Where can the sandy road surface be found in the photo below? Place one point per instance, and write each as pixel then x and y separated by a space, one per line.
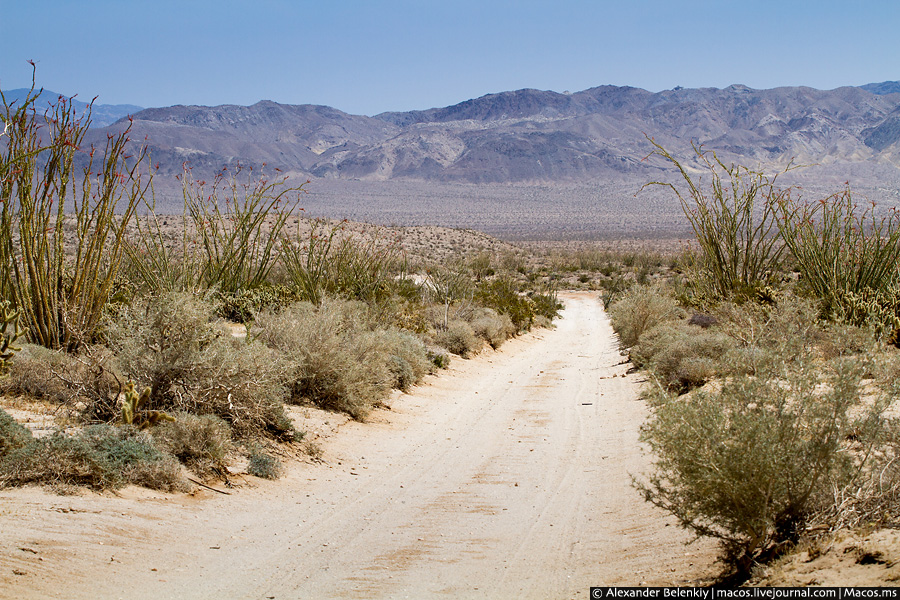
pixel 508 477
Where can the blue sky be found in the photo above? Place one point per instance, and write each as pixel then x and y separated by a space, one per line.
pixel 365 57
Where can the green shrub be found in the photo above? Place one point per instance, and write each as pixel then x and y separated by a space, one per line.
pixel 200 442
pixel 641 308
pixel 749 464
pixel 546 304
pixel 241 306
pixel 100 457
pixel 264 466
pixel 12 434
pixel 502 295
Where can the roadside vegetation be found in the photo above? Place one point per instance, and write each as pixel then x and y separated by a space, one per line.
pixel 166 351
pixel 771 350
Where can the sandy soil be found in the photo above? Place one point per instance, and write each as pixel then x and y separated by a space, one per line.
pixel 508 476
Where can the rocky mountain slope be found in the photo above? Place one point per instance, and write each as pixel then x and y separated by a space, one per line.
pixel 535 136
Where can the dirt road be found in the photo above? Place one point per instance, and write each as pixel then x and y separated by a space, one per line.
pixel 508 477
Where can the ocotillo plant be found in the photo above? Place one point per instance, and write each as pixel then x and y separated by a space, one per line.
pixel 45 196
pixel 847 256
pixel 733 215
pixel 238 241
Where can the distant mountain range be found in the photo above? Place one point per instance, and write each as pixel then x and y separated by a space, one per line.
pixel 533 136
pixel 538 138
pixel 101 114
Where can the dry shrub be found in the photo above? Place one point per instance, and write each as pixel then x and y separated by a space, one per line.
pixel 492 327
pixel 542 322
pixel 31 374
pixel 841 339
pixel 407 359
pixel 458 338
pixel 200 442
pixel 335 360
pixel 681 356
pixel 195 365
pixel 641 308
pixel 790 326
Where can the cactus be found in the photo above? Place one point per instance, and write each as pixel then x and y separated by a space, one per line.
pixel 131 407
pixel 8 317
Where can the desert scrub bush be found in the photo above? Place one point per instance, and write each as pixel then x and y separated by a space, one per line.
pixel 735 221
pixel 334 361
pixel 682 356
pixel 202 443
pixel 44 196
pixel 99 457
pixel 407 358
pixel 546 304
pixel 32 374
pixel 492 327
pixel 502 294
pixel 641 308
pixel 791 325
pixel 263 465
pixel 749 463
pixel 843 254
pixel 437 356
pixel 458 338
pixel 13 435
pixel 242 305
pixel 172 344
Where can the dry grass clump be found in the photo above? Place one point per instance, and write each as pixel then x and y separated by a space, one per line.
pixel 202 443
